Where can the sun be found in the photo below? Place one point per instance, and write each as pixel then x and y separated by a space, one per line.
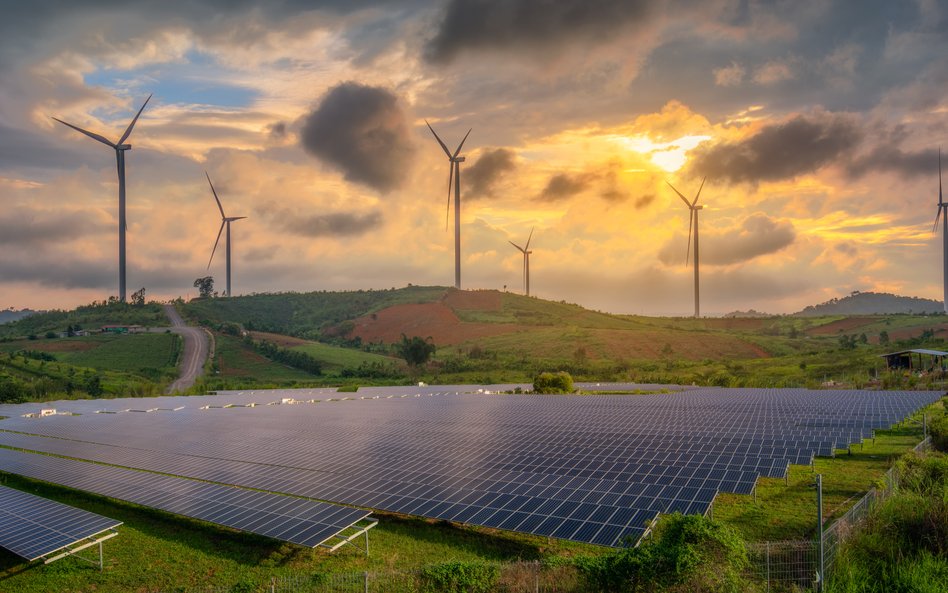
pixel 668 156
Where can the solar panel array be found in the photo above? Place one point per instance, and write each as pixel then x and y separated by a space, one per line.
pixel 593 468
pixel 33 527
pixel 304 522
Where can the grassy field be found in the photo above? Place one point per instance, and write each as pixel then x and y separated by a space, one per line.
pixel 89 317
pixel 335 358
pixel 234 360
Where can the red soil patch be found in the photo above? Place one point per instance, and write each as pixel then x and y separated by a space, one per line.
pixel 473 300
pixel 841 326
pixel 436 320
pixel 941 331
pixel 279 339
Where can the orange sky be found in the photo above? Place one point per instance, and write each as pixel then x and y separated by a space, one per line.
pixel 817 130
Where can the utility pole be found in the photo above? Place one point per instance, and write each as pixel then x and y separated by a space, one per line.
pixel 821 576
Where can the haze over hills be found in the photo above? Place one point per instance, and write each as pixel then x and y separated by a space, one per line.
pixel 871 303
pixel 8 315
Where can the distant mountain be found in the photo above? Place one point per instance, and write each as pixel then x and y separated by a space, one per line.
pixel 8 315
pixel 869 303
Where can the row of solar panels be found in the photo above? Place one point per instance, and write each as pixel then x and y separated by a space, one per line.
pixel 460 457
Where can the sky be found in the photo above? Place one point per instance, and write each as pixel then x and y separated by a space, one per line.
pixel 814 123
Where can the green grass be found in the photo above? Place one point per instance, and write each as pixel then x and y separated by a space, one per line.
pixel 335 358
pixel 127 352
pixel 235 360
pixel 89 317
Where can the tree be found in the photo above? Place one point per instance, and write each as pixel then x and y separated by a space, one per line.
pixel 416 350
pixel 560 382
pixel 205 286
pixel 884 337
pixel 138 297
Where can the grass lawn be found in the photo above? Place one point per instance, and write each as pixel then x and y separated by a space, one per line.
pixel 335 358
pixel 236 360
pixel 113 352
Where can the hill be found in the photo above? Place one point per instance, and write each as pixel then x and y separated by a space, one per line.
pixel 89 317
pixel 872 303
pixel 8 315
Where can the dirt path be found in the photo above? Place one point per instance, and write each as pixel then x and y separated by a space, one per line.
pixel 195 351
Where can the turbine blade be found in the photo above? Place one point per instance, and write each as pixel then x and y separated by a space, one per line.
pixel 438 138
pixel 223 222
pixel 218 200
pixel 517 246
pixel 683 198
pixel 937 216
pixel 691 221
pixel 528 239
pixel 128 130
pixel 939 175
pixel 233 218
pixel 698 195
pixel 456 152
pixel 92 135
pixel 447 210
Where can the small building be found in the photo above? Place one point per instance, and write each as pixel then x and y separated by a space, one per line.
pixel 916 360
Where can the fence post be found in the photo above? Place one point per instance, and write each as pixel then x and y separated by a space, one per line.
pixel 366 577
pixel 819 528
pixel 768 566
pixel 273 584
pixel 536 576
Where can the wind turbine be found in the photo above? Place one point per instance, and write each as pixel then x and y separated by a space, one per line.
pixel 455 175
pixel 225 221
pixel 120 147
pixel 692 225
pixel 942 205
pixel 526 262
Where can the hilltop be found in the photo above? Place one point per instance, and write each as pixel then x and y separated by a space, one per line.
pixel 9 315
pixel 873 303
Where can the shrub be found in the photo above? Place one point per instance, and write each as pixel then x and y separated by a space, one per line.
pixel 459 577
pixel 560 382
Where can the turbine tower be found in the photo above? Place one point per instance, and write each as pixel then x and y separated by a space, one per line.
pixel 693 225
pixel 455 175
pixel 526 262
pixel 120 147
pixel 225 221
pixel 942 205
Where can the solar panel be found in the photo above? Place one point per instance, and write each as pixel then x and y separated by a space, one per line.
pixel 304 522
pixel 33 527
pixel 506 461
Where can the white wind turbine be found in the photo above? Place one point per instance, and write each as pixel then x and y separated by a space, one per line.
pixel 693 225
pixel 120 147
pixel 225 221
pixel 526 262
pixel 943 206
pixel 455 175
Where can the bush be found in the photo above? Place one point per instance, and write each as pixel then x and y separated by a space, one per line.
pixel 560 382
pixel 686 553
pixel 459 577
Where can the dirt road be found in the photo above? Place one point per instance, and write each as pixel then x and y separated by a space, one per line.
pixel 194 354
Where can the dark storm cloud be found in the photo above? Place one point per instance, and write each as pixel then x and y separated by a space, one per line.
pixel 489 168
pixel 58 273
pixel 363 132
pixel 35 229
pixel 336 224
pixel 756 235
pixel 530 24
pixel 895 160
pixel 566 185
pixel 277 130
pixel 799 146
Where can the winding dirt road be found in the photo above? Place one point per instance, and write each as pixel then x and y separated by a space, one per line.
pixel 195 351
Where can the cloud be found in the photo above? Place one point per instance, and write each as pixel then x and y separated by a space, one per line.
pixel 774 72
pixel 732 75
pixel 566 185
pixel 530 24
pixel 335 224
pixel 487 171
pixel 803 144
pixel 756 235
pixel 25 228
pixel 643 201
pixel 362 131
pixel 895 160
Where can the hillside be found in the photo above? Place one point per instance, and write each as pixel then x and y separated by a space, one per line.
pixel 872 303
pixel 89 317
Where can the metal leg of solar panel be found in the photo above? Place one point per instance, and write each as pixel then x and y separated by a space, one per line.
pixel 72 551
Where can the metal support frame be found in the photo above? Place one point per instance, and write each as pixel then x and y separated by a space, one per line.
pixel 94 540
pixel 361 527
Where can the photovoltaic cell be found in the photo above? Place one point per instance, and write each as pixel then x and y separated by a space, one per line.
pixel 33 527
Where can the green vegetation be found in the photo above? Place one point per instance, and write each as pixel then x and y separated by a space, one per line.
pixel 334 358
pixel 560 382
pixel 416 351
pixel 87 317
